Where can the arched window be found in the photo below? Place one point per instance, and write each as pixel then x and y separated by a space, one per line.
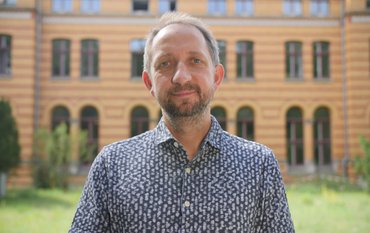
pixel 322 136
pixel 294 128
pixel 220 115
pixel 245 123
pixel 139 121
pixel 89 122
pixel 60 114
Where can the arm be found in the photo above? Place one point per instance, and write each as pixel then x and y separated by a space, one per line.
pixel 275 214
pixel 92 213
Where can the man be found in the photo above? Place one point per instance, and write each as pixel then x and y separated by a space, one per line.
pixel 186 175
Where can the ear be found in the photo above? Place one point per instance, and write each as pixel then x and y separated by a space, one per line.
pixel 147 81
pixel 219 74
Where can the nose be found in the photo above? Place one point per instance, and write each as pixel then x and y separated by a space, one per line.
pixel 182 74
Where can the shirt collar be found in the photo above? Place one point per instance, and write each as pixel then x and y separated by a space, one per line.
pixel 213 137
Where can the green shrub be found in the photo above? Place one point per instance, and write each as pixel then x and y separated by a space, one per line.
pixel 362 163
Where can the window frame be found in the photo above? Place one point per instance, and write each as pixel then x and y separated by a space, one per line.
pixel 292 7
pixel 319 8
pixel 293 60
pixel 322 137
pixel 244 7
pixel 139 10
pixel 245 124
pixel 141 123
pixel 90 6
pixel 320 55
pixel 62 6
pixel 65 64
pixel 222 117
pixel 91 56
pixel 217 7
pixel 137 47
pixel 245 60
pixel 166 6
pixel 295 137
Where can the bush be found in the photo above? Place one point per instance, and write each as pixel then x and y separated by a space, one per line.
pixel 362 163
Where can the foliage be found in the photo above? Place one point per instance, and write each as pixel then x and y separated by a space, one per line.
pixel 9 145
pixel 87 151
pixel 362 163
pixel 52 157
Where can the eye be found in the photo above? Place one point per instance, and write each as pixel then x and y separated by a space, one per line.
pixel 196 60
pixel 163 64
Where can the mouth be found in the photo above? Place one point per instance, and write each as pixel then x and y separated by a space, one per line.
pixel 183 93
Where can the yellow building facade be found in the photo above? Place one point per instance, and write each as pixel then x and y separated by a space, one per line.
pixel 297 73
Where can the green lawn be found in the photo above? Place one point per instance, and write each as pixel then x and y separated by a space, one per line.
pixel 315 206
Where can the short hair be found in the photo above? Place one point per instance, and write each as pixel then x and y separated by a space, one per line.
pixel 181 18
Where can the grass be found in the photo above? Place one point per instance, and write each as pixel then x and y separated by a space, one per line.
pixel 316 206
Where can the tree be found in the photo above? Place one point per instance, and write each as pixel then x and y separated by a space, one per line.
pixel 9 145
pixel 362 163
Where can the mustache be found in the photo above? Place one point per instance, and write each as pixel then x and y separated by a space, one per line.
pixel 185 87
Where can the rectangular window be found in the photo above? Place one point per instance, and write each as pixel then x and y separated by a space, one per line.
pixel 292 7
pixel 137 52
pixel 61 58
pixel 245 66
pixel 90 6
pixel 62 6
pixel 217 7
pixel 321 62
pixel 293 60
pixel 320 7
pixel 8 2
pixel 244 7
pixel 368 4
pixel 167 5
pixel 140 5
pixel 89 58
pixel 5 54
pixel 222 53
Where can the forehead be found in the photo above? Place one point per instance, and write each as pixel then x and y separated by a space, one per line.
pixel 179 35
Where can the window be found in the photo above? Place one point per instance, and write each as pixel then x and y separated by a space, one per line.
pixel 322 137
pixel 293 60
pixel 89 58
pixel 220 115
pixel 89 123
pixel 244 7
pixel 294 127
pixel 319 7
pixel 222 53
pixel 292 7
pixel 61 58
pixel 62 6
pixel 244 59
pixel 137 53
pixel 140 5
pixel 5 54
pixel 60 114
pixel 321 63
pixel 368 4
pixel 245 123
pixel 8 2
pixel 139 121
pixel 167 5
pixel 217 7
pixel 90 6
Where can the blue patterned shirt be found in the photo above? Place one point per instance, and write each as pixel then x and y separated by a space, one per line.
pixel 147 184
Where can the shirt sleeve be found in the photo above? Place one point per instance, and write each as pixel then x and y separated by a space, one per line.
pixel 92 213
pixel 275 214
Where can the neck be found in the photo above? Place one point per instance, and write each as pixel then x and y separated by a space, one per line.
pixel 189 131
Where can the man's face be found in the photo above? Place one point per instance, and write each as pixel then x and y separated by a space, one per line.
pixel 183 78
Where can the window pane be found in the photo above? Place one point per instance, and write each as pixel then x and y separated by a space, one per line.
pixel 89 58
pixel 245 124
pixel 140 5
pixel 222 53
pixel 61 58
pixel 293 60
pixel 295 136
pixel 216 6
pixel 62 6
pixel 244 7
pixel 167 5
pixel 90 124
pixel 60 115
pixel 5 54
pixel 220 115
pixel 139 121
pixel 137 52
pixel 90 6
pixel 245 59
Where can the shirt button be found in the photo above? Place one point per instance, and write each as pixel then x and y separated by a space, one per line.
pixel 176 144
pixel 188 170
pixel 186 204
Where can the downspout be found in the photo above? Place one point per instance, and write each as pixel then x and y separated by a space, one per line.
pixel 345 160
pixel 38 22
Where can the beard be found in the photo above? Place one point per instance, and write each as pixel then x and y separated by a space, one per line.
pixel 189 108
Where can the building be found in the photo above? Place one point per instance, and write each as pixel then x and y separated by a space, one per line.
pixel 297 73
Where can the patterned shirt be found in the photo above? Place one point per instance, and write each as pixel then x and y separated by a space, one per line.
pixel 147 184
